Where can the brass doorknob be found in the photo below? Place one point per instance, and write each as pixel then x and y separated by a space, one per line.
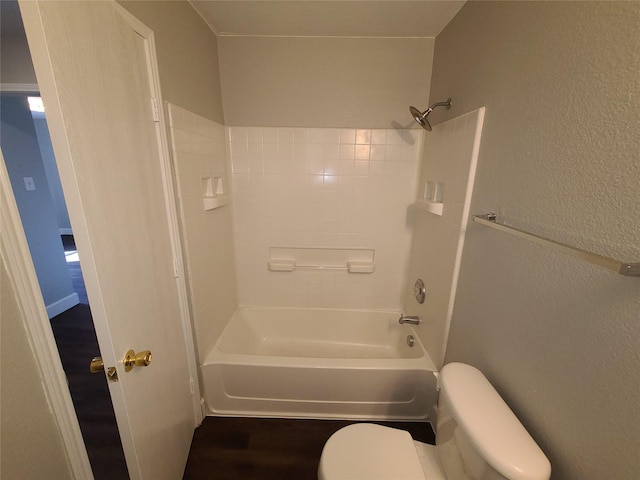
pixel 132 359
pixel 96 365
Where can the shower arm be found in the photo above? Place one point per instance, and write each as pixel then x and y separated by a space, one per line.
pixel 441 104
pixel 426 113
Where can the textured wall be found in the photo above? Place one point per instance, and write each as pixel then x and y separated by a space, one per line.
pixel 559 156
pixel 15 61
pixel 323 82
pixel 22 157
pixel 53 177
pixel 187 55
pixel 31 443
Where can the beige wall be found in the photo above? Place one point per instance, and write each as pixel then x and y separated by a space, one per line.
pixel 187 55
pixel 31 443
pixel 559 338
pixel 15 61
pixel 323 82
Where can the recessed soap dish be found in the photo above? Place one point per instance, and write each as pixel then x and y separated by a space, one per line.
pixel 433 200
pixel 213 193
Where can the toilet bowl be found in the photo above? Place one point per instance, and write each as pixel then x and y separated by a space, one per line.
pixel 477 438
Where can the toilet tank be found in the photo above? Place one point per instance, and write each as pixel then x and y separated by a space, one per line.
pixel 478 437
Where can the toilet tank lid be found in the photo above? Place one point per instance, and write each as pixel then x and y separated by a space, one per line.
pixel 493 429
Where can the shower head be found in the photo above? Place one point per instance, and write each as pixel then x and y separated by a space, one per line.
pixel 421 117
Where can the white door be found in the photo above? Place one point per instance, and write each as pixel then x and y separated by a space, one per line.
pixel 95 72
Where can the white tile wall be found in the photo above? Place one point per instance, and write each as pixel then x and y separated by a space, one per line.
pixel 199 150
pixel 450 158
pixel 322 187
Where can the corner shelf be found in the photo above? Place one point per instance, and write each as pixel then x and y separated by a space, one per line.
pixel 215 202
pixel 430 206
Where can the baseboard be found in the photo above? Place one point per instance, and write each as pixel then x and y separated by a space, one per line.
pixel 65 231
pixel 62 305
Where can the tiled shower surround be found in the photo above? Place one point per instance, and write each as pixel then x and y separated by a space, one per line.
pixel 329 188
pixel 198 152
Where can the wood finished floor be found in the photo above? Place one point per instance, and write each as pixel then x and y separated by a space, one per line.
pixel 77 344
pixel 268 449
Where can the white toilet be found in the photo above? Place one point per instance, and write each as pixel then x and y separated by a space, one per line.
pixel 477 438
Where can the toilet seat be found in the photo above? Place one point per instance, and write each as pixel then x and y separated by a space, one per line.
pixel 365 451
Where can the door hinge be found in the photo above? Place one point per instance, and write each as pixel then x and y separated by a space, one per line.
pixel 155 110
pixel 176 270
pixel 192 386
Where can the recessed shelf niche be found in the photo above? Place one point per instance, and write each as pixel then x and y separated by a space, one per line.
pixel 213 193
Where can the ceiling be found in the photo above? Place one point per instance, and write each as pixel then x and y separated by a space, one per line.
pixel 328 18
pixel 306 18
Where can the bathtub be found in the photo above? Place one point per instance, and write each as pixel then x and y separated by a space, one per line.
pixel 319 363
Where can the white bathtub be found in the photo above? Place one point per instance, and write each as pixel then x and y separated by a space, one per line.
pixel 319 363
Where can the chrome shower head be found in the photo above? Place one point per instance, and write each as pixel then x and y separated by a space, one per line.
pixel 421 117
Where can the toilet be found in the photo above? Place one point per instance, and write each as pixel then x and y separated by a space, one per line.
pixel 477 438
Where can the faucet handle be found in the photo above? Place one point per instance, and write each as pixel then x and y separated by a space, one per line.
pixel 410 319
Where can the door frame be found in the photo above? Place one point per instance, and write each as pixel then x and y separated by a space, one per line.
pixel 22 274
pixel 20 266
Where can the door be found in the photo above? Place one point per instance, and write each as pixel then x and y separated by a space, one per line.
pixel 95 72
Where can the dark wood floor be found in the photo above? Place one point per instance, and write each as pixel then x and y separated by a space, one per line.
pixel 77 344
pixel 269 449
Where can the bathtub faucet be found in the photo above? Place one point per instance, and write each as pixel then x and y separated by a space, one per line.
pixel 410 319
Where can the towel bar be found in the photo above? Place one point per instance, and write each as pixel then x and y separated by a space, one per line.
pixel 626 269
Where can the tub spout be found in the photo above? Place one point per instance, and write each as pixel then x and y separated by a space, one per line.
pixel 410 319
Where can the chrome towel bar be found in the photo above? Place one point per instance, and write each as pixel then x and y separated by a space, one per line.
pixel 627 269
